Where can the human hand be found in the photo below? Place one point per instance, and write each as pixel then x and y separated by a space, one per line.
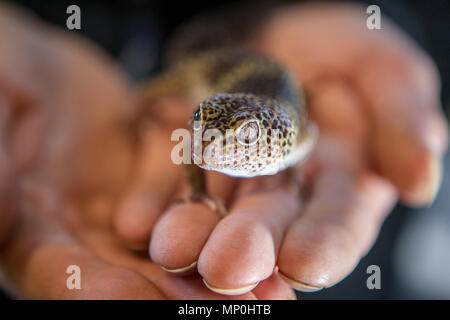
pixel 68 149
pixel 375 97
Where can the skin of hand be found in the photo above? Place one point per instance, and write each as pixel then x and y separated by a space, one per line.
pixel 375 97
pixel 315 243
pixel 66 153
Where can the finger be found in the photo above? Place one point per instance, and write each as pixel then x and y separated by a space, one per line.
pixel 21 95
pixel 106 246
pixel 154 183
pixel 36 259
pixel 182 288
pixel 338 227
pixel 410 132
pixel 183 230
pixel 347 120
pixel 99 280
pixel 242 249
pixel 180 235
pixel 18 88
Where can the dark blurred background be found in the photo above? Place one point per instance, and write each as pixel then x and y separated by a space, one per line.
pixel 412 250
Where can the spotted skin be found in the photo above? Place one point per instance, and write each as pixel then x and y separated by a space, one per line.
pixel 273 134
pixel 241 91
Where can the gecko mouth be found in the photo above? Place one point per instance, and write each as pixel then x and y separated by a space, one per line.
pixel 211 156
pixel 197 159
pixel 206 156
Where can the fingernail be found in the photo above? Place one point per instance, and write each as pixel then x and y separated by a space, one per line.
pixel 434 180
pixel 297 285
pixel 230 292
pixel 180 270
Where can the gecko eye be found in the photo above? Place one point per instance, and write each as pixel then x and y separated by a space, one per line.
pixel 248 133
pixel 197 115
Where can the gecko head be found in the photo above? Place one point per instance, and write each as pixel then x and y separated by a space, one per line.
pixel 233 134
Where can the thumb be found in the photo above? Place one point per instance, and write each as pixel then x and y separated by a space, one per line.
pixel 410 132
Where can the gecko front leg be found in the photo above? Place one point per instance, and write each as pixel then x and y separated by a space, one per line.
pixel 196 178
